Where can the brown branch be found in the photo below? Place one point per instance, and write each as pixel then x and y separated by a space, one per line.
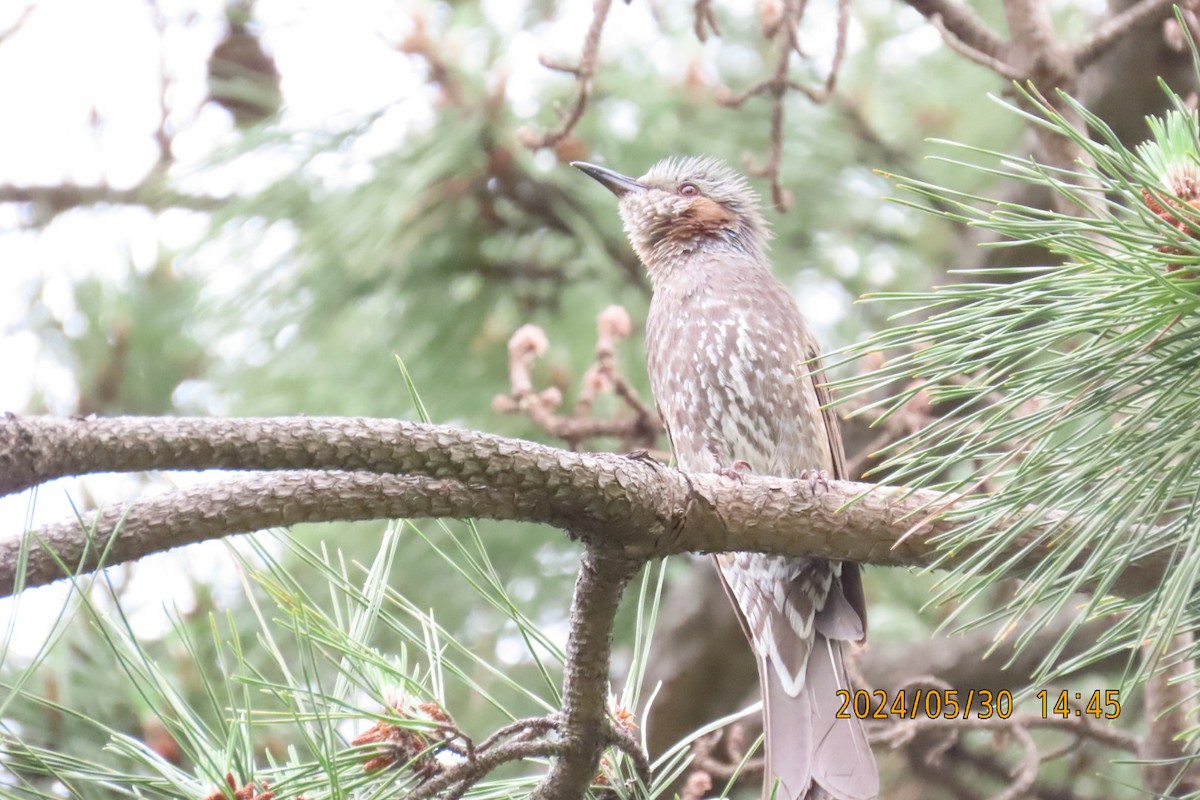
pixel 697 786
pixel 640 429
pixel 964 24
pixel 521 728
pixel 622 738
pixel 1146 12
pixel 67 196
pixel 1169 769
pixel 248 503
pixel 420 44
pixel 1036 50
pixel 987 762
pixel 783 30
pixel 630 504
pixel 587 728
pixel 899 733
pixel 776 86
pixel 162 137
pixel 997 65
pixel 461 777
pixel 722 754
pixel 1048 64
pixel 702 11
pixel 583 72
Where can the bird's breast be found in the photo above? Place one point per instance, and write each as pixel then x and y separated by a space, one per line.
pixel 728 373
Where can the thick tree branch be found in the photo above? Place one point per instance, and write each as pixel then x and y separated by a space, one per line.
pixel 628 504
pixel 586 725
pixel 248 503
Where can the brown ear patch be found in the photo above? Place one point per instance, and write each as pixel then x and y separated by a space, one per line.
pixel 705 215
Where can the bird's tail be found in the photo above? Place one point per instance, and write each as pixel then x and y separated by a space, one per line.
pixel 811 752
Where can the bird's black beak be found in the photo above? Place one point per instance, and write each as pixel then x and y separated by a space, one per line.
pixel 615 182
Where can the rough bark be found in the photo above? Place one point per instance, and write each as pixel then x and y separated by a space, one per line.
pixel 629 505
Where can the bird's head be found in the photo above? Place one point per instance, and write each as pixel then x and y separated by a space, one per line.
pixel 684 206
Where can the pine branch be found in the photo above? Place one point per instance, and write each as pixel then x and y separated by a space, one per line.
pixel 629 505
pixel 587 727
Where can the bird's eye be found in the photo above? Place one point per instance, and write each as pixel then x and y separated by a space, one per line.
pixel 689 189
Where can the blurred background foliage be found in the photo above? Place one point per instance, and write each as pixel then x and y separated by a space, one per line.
pixel 270 263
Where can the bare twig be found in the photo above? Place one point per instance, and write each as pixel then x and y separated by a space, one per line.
pixel 419 43
pixel 162 135
pixel 639 429
pixel 583 72
pixel 1169 768
pixel 697 786
pixel 1146 12
pixel 1037 52
pixel 521 728
pixel 1027 774
pixel 705 21
pixel 997 65
pixel 784 31
pixel 964 24
pixel 624 740
pixel 18 23
pixel 461 777
pixel 898 733
pixel 722 754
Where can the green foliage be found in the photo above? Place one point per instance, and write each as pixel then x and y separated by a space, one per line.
pixel 130 343
pixel 439 247
pixel 300 696
pixel 1068 391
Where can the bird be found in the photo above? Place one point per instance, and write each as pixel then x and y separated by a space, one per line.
pixel 735 373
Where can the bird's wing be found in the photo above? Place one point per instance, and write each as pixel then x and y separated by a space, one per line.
pixel 666 429
pixel 851 578
pixel 833 427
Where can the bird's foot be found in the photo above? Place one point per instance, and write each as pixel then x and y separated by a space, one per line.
pixel 737 471
pixel 815 478
pixel 643 455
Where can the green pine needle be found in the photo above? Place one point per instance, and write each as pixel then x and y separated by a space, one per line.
pixel 1069 389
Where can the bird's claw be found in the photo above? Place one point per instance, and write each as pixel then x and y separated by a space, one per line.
pixel 815 477
pixel 736 471
pixel 644 455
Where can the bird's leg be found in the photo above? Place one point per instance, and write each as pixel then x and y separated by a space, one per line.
pixel 815 477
